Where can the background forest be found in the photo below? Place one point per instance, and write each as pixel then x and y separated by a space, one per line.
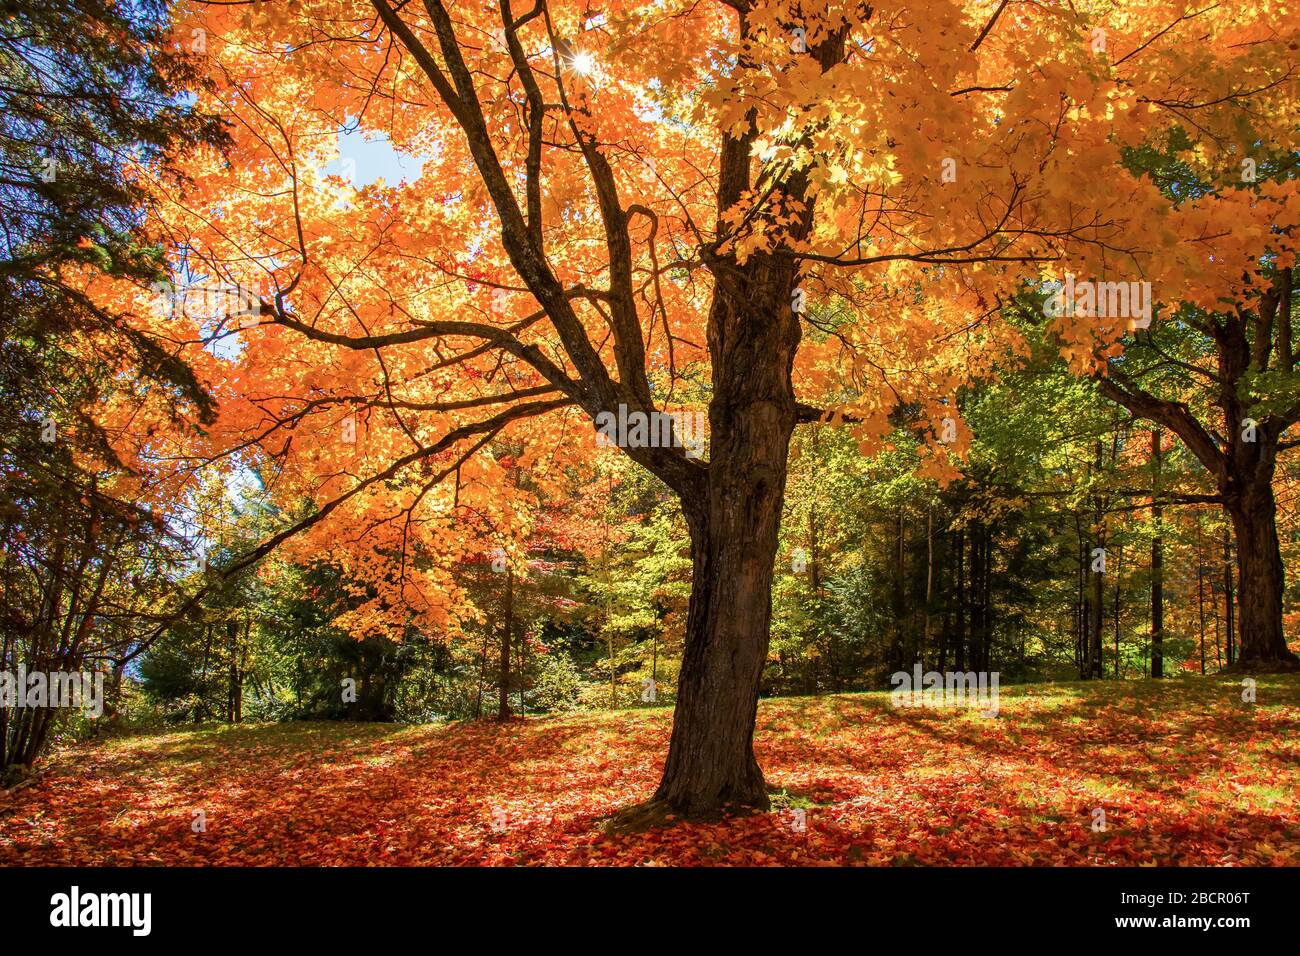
pixel 879 568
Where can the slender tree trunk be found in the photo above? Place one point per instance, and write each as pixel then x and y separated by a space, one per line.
pixel 1119 566
pixel 961 600
pixel 1095 621
pixel 232 681
pixel 507 623
pixel 609 609
pixel 613 672
pixel 1218 633
pixel 201 708
pixel 814 554
pixel 1082 608
pixel 898 602
pixel 945 632
pixel 1200 591
pixel 835 662
pixel 1095 668
pixel 1157 564
pixel 1229 598
pixel 988 598
pixel 482 673
pixel 985 595
pixel 929 577
pixel 241 671
pixel 523 671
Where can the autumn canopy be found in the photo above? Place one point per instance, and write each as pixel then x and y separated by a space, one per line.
pixel 774 213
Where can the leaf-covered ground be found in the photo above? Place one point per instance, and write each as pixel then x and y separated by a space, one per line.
pixel 1185 771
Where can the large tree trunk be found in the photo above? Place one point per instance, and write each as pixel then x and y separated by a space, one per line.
pixel 711 765
pixel 734 515
pixel 1261 642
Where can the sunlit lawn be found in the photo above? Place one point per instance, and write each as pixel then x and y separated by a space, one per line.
pixel 1185 772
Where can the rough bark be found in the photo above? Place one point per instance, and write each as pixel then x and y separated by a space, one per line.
pixel 734 512
pixel 1261 642
pixel 711 765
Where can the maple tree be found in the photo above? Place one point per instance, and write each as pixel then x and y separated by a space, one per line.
pixel 1221 383
pixel 794 211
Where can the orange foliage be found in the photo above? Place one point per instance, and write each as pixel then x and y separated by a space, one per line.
pixel 957 151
